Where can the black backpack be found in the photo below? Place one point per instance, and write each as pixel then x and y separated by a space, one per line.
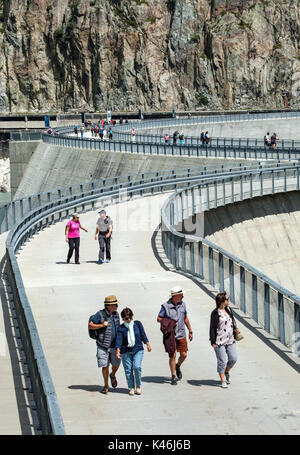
pixel 94 333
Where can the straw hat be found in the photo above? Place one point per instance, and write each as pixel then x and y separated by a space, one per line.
pixel 111 300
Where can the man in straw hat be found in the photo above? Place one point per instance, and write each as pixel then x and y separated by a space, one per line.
pixel 107 322
pixel 175 309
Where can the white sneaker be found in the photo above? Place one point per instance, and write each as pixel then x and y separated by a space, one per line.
pixel 131 392
pixel 224 385
pixel 228 380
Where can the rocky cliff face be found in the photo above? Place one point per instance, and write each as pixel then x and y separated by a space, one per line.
pixel 152 54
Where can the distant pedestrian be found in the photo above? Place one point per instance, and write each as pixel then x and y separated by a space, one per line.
pixel 103 233
pixel 189 115
pixel 101 133
pixel 207 138
pixel 107 323
pixel 73 237
pixel 222 335
pixel 267 139
pixel 202 138
pixel 175 135
pixel 173 319
pixel 167 139
pixel 76 130
pixel 274 140
pixel 110 134
pixel 133 134
pixel 126 120
pixel 121 120
pixel 82 131
pixel 129 346
pixel 181 138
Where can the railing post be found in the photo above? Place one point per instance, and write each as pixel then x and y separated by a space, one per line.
pixel 254 298
pixel 221 272
pixel 267 307
pixel 211 266
pixel 200 262
pixel 281 318
pixel 192 258
pixel 243 296
pixel 207 197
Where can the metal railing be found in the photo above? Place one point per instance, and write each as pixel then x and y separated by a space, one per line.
pixel 45 214
pixel 273 307
pixel 209 119
pixel 207 151
pixel 14 211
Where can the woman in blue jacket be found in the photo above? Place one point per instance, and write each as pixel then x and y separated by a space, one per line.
pixel 129 346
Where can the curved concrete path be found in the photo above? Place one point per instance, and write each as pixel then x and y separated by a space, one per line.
pixel 264 397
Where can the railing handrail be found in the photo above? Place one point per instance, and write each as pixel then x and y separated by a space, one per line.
pixel 261 275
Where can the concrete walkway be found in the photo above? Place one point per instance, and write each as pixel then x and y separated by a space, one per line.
pixel 264 397
pixel 17 415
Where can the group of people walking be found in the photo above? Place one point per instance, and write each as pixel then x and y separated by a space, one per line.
pixel 103 234
pixel 271 141
pixel 123 342
pixel 204 138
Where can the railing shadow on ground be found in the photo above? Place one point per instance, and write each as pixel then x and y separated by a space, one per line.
pixel 27 417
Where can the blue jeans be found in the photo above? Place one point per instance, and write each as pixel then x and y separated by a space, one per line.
pixel 132 363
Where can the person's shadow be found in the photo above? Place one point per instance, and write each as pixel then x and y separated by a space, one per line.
pixel 200 382
pixel 156 379
pixel 97 388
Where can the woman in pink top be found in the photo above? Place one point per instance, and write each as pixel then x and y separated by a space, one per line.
pixel 73 237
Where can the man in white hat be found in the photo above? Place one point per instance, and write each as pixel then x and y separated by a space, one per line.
pixel 175 309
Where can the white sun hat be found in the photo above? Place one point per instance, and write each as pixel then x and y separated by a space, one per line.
pixel 176 290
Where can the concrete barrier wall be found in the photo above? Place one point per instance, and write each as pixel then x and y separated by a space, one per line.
pixel 264 232
pixel 285 128
pixel 51 166
pixel 20 154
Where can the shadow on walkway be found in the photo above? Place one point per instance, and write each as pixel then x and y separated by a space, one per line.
pixel 22 398
pixel 156 379
pixel 97 388
pixel 200 382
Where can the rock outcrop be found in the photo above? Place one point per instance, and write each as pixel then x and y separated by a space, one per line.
pixel 62 55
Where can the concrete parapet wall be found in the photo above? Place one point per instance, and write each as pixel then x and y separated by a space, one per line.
pixel 264 232
pixel 51 166
pixel 20 154
pixel 285 128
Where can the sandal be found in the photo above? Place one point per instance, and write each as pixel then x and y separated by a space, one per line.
pixel 105 390
pixel 114 381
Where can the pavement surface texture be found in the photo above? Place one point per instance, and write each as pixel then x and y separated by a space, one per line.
pixel 263 398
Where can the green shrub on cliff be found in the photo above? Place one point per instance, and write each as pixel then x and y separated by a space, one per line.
pixel 195 38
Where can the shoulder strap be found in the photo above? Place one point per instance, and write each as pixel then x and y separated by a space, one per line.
pixel 104 315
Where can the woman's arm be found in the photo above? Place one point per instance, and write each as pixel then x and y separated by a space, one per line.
pixel 213 330
pixel 67 233
pixel 81 227
pixel 119 343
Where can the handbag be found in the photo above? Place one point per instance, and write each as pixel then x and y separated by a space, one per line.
pixel 239 336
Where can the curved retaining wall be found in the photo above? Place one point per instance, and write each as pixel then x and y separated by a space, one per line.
pixel 51 166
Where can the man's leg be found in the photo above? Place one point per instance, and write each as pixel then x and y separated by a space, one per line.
pixel 105 376
pixel 172 363
pixel 115 363
pixel 101 247
pixel 107 245
pixel 182 357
